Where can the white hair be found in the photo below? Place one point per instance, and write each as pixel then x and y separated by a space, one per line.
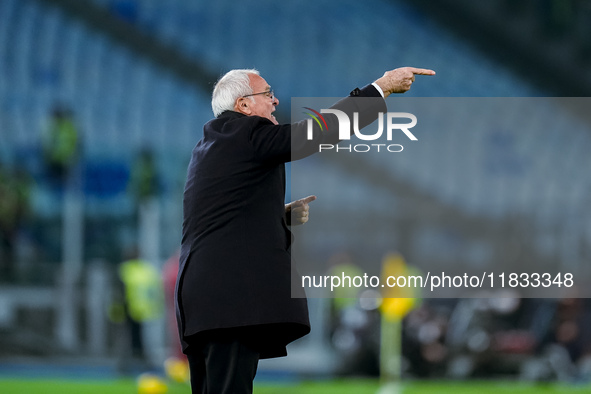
pixel 233 85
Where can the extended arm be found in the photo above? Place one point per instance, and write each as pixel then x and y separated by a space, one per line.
pixel 291 142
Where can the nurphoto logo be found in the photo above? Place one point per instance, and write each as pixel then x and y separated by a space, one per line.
pixel 345 127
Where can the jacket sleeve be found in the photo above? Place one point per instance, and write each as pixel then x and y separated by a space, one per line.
pixel 284 143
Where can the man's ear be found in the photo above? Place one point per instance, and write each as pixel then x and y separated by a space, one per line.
pixel 243 106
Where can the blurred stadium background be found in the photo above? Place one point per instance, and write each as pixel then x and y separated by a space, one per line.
pixel 131 81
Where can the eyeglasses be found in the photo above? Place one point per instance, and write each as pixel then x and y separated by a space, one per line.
pixel 269 94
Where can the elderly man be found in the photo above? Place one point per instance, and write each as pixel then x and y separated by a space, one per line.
pixel 234 303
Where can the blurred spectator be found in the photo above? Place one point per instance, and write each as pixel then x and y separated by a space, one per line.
pixel 143 183
pixel 570 331
pixel 498 335
pixel 14 204
pixel 61 143
pixel 354 328
pixel 140 299
pixel 344 296
pixel 423 340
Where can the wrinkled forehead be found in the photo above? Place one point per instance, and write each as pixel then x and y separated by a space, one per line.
pixel 258 83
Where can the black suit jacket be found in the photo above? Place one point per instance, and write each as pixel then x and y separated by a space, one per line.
pixel 235 265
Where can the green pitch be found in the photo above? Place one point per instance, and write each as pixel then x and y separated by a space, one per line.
pixel 348 386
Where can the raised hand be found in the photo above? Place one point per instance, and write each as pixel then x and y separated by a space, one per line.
pixel 399 80
pixel 298 211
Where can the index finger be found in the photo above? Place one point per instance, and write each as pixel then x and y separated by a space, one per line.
pixel 421 71
pixel 308 199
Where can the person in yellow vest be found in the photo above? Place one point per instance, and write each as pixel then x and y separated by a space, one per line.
pixel 397 302
pixel 141 300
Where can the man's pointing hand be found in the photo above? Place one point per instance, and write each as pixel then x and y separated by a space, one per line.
pixel 297 211
pixel 399 80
